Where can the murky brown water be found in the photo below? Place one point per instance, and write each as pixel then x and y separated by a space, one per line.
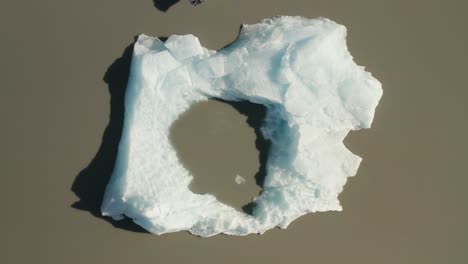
pixel 407 203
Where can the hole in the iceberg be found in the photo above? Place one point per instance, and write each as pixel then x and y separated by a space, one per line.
pixel 221 145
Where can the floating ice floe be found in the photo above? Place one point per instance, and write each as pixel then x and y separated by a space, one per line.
pixel 299 69
pixel 239 179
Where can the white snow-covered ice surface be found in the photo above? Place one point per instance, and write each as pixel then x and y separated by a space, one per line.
pixel 299 69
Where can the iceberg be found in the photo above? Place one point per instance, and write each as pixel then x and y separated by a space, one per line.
pixel 239 179
pixel 299 69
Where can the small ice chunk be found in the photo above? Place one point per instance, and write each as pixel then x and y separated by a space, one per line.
pixel 299 69
pixel 239 179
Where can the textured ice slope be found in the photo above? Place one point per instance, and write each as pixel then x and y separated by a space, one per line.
pixel 300 69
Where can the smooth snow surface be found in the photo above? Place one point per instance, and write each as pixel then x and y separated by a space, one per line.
pixel 299 68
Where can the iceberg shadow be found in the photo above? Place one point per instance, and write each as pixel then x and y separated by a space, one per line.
pixel 164 5
pixel 90 184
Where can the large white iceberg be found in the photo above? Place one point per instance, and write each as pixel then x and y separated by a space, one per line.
pixel 298 68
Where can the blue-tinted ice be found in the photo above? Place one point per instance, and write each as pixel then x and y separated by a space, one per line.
pixel 299 68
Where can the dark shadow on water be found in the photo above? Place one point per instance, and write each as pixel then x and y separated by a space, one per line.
pixel 255 114
pixel 91 182
pixel 164 5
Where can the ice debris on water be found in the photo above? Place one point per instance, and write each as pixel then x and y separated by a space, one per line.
pixel 239 179
pixel 299 69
